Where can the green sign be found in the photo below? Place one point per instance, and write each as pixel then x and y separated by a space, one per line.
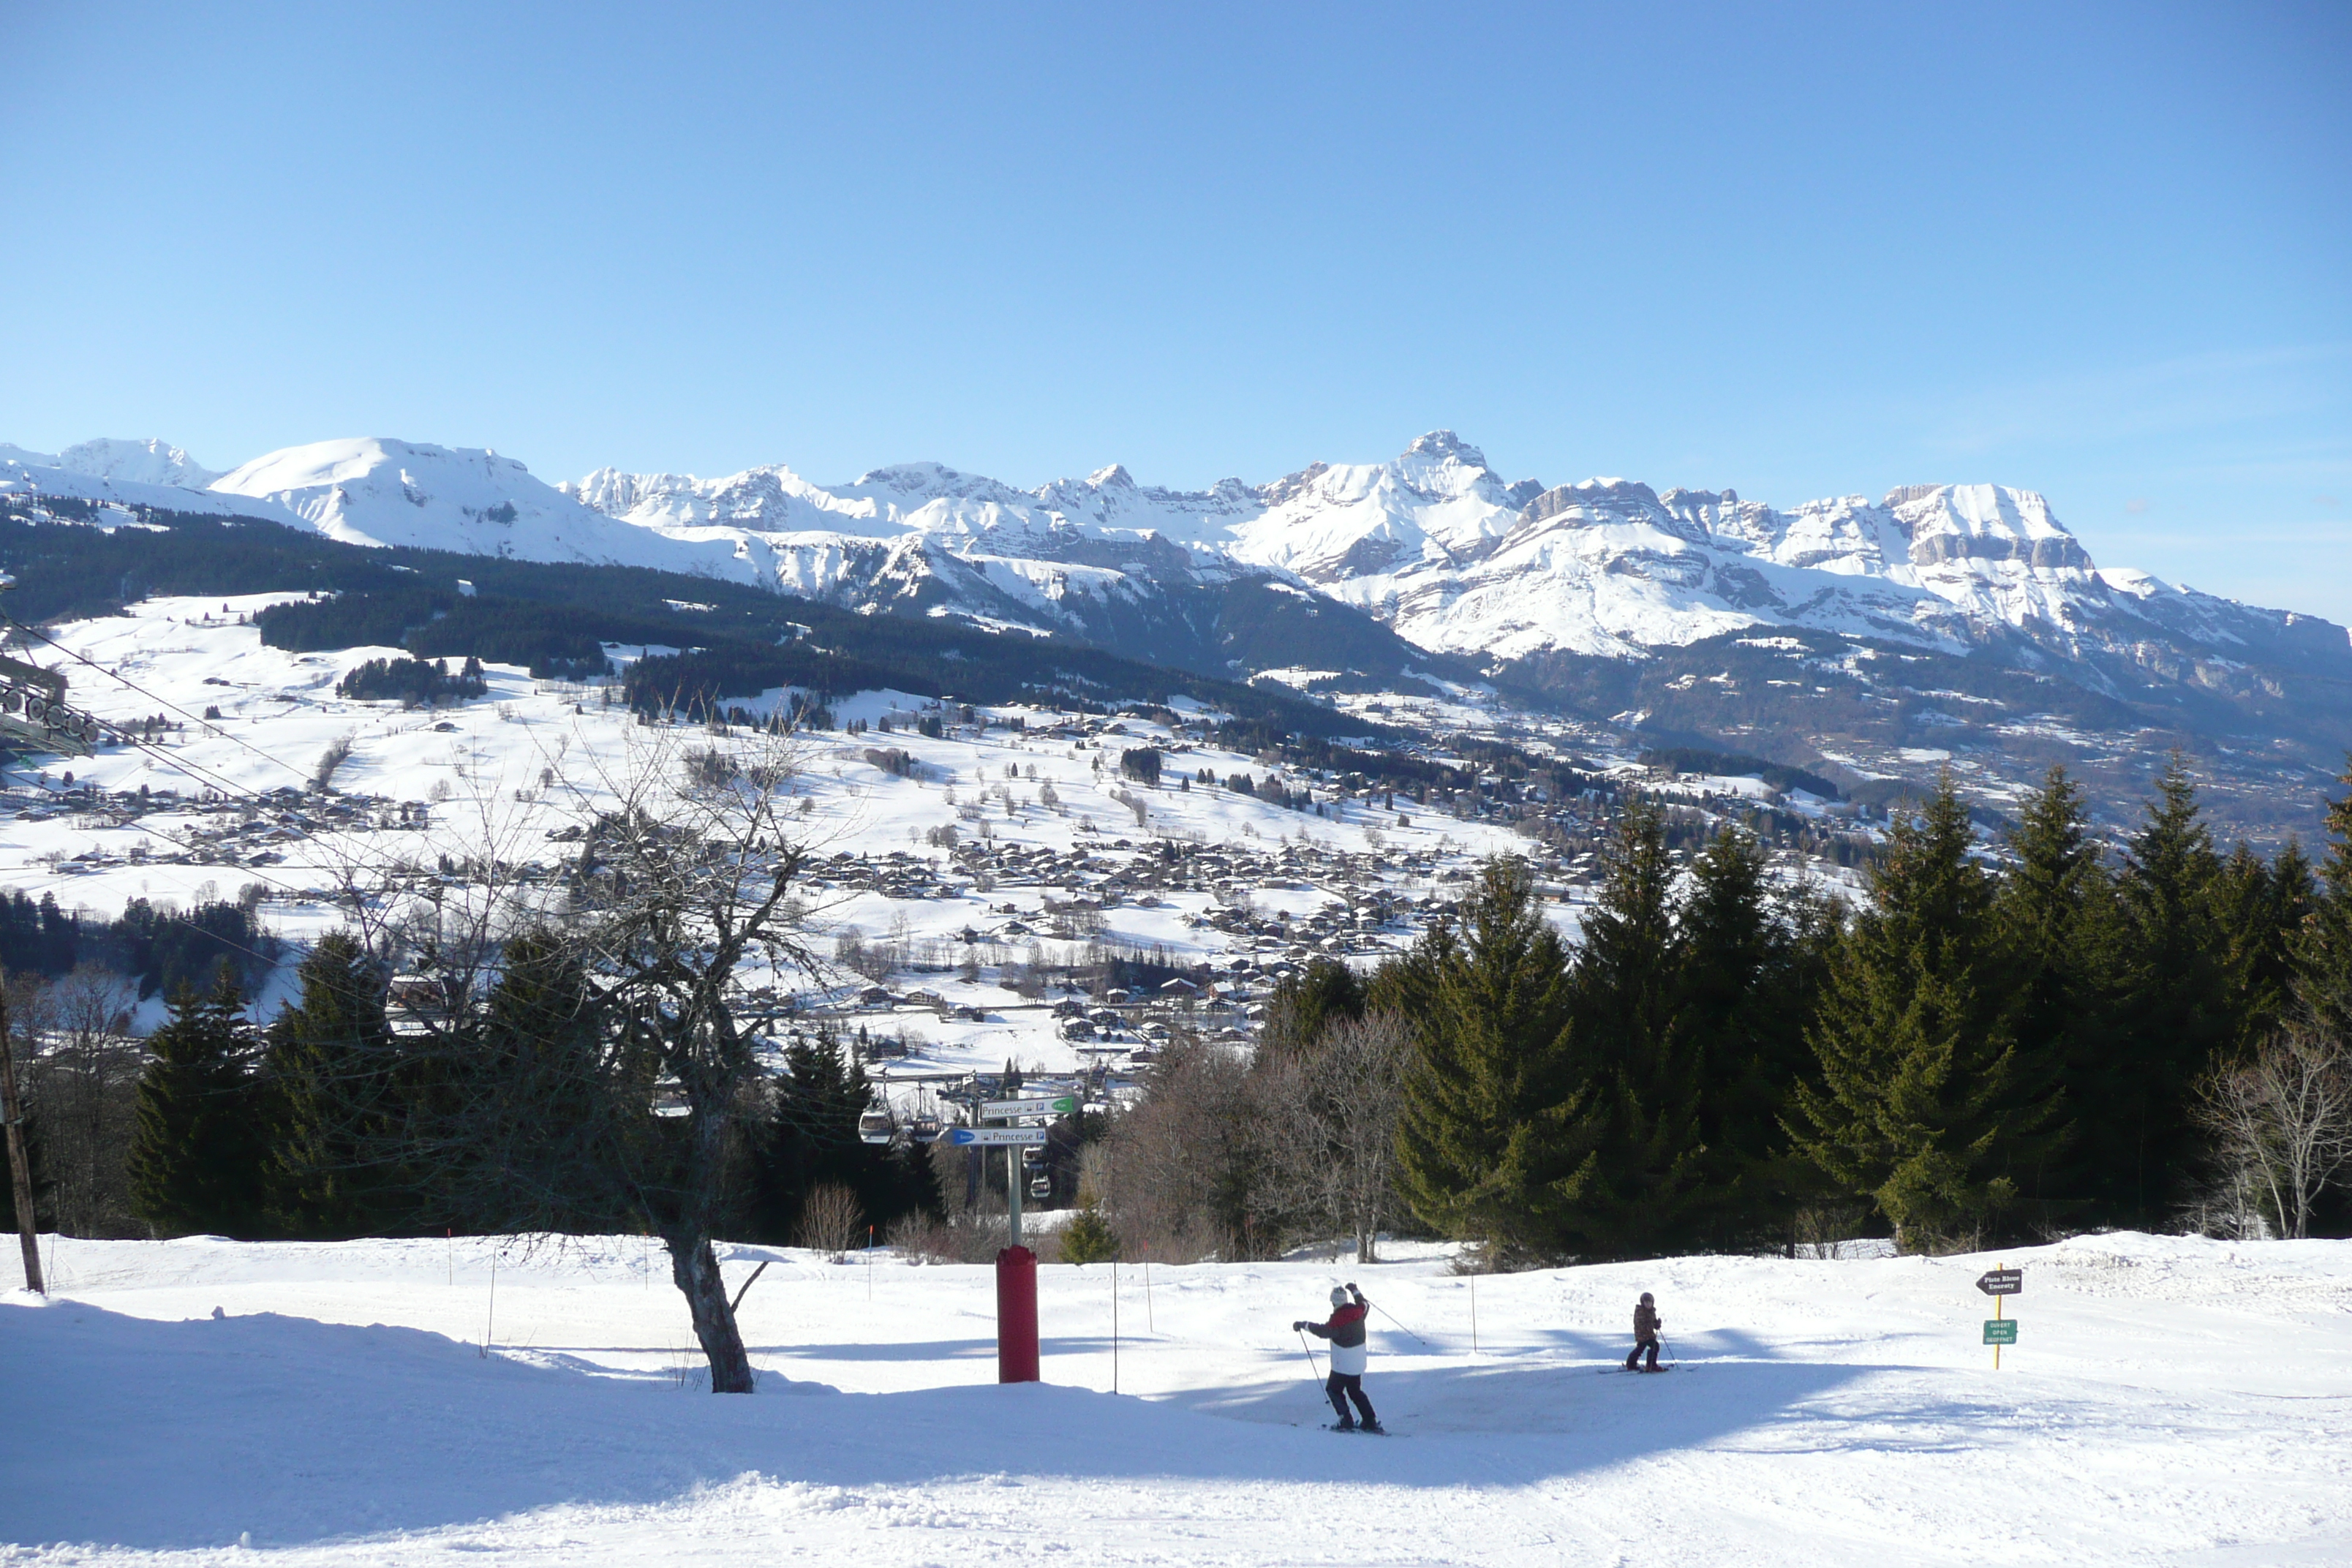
pixel 2001 1331
pixel 1060 1105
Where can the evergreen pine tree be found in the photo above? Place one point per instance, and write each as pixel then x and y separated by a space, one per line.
pixel 544 1132
pixel 1923 1103
pixel 1295 1016
pixel 330 1060
pixel 2176 1015
pixel 1498 1136
pixel 199 1153
pixel 1089 1238
pixel 2257 909
pixel 2323 950
pixel 2059 927
pixel 1747 973
pixel 1648 1177
pixel 813 1138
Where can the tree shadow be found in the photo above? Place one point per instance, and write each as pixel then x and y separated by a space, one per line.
pixel 179 1434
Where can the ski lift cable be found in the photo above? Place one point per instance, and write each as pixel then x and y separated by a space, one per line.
pixel 180 764
pixel 202 774
pixel 126 680
pixel 230 942
pixel 198 771
pixel 194 770
pixel 259 873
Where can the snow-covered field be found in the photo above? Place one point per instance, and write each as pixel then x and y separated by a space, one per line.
pixel 2169 1402
pixel 508 771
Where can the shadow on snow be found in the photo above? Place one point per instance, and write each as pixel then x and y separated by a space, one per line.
pixel 186 1434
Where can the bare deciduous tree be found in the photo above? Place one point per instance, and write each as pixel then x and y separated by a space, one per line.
pixel 679 886
pixel 80 1073
pixel 2282 1121
pixel 1335 1101
pixel 830 1220
pixel 573 1058
pixel 1186 1175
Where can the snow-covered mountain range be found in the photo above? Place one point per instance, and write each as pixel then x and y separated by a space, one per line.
pixel 1937 625
pixel 1434 544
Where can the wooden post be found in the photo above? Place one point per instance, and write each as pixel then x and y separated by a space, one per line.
pixel 20 1168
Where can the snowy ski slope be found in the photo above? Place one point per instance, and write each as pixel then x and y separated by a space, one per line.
pixel 2169 1402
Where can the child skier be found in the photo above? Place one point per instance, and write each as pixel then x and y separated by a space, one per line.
pixel 1346 1332
pixel 1646 1324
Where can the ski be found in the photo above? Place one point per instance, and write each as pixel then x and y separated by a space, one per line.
pixel 1366 1431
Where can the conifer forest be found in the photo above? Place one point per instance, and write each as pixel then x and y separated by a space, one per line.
pixel 2001 1041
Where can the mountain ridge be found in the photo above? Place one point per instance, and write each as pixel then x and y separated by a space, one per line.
pixel 1419 542
pixel 1936 626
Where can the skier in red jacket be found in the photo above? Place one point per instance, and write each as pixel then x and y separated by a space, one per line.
pixel 1346 1331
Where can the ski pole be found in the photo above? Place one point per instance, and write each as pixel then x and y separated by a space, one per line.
pixel 1313 1372
pixel 1392 1317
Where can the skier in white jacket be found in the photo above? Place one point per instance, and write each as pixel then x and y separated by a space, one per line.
pixel 1346 1331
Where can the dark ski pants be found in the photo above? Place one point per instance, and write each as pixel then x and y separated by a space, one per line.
pixel 1343 1386
pixel 1652 1345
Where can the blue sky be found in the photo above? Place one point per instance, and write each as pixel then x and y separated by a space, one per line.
pixel 2103 252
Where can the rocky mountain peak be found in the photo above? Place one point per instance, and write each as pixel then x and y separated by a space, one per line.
pixel 1439 445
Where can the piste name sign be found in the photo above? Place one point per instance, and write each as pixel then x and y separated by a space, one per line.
pixel 1061 1105
pixel 996 1137
pixel 2000 1328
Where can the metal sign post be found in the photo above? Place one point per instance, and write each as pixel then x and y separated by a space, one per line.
pixel 1013 1195
pixel 1999 1330
pixel 1016 1265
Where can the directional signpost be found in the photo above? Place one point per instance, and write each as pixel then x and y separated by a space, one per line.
pixel 1998 1329
pixel 1016 1265
pixel 995 1109
pixel 997 1138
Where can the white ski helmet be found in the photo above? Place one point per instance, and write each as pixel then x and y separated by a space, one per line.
pixel 1339 1296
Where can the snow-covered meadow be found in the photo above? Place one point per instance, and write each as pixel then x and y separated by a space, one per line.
pixel 2170 1400
pixel 511 769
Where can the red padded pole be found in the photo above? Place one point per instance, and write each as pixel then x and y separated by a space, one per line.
pixel 1016 1315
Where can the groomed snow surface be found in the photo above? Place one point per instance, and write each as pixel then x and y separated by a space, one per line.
pixel 2170 1401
